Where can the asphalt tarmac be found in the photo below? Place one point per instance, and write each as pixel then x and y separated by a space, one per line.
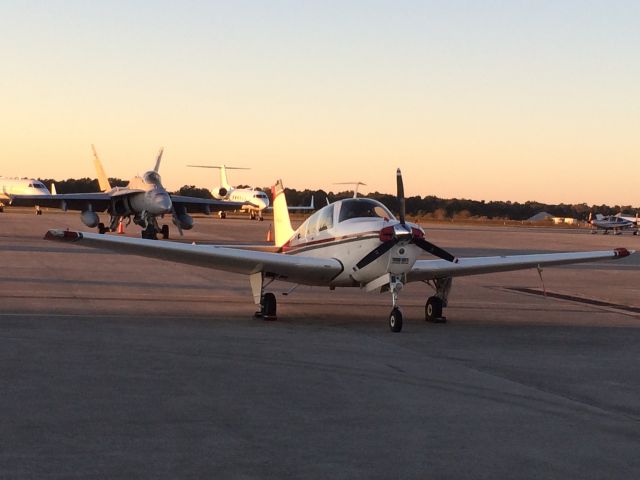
pixel 123 367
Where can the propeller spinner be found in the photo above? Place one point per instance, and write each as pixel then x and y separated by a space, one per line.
pixel 392 235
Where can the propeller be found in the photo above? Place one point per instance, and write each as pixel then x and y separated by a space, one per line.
pixel 157 167
pixel 392 235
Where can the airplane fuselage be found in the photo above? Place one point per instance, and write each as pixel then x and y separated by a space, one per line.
pixel 331 233
pixel 21 186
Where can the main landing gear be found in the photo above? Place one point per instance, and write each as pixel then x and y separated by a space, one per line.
pixel 268 307
pixel 266 301
pixel 435 304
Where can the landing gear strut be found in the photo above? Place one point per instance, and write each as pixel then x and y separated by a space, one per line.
pixel 395 317
pixel 435 304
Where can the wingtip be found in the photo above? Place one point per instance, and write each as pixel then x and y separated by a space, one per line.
pixel 62 236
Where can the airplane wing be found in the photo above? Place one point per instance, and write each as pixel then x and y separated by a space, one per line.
pixel 434 269
pixel 99 201
pixel 204 205
pixel 293 268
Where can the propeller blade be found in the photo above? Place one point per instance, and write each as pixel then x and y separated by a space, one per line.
pixel 400 195
pixel 434 250
pixel 376 253
pixel 157 167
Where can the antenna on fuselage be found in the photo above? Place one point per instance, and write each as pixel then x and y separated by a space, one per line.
pixel 355 186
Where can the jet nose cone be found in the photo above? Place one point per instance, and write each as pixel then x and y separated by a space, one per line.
pixel 160 202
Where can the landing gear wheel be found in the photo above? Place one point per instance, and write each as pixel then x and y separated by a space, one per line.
pixel 1 208
pixel 149 233
pixel 102 229
pixel 222 215
pixel 635 232
pixel 38 212
pixel 268 306
pixel 261 218
pixel 395 320
pixel 252 215
pixel 165 231
pixel 433 310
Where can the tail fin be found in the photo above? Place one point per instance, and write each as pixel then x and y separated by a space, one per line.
pixel 103 180
pixel 224 183
pixel 158 159
pixel 281 221
pixel 53 190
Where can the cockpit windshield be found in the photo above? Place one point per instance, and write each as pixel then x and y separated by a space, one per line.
pixel 363 208
pixel 151 178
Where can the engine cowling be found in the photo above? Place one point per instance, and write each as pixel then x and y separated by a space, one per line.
pixel 89 218
pixel 220 192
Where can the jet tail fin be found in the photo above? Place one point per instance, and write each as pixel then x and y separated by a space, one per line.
pixel 103 180
pixel 281 221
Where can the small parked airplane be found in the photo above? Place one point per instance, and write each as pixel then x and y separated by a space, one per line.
pixel 144 199
pixel 355 242
pixel 615 223
pixel 253 200
pixel 20 186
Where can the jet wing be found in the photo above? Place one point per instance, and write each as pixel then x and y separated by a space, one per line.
pixel 99 201
pixel 204 205
pixel 434 269
pixel 293 268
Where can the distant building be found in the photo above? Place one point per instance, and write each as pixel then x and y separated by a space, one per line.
pixel 545 216
pixel 540 217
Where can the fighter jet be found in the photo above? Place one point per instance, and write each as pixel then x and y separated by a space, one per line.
pixel 143 200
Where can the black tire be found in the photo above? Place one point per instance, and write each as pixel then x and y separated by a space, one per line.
pixel 101 228
pixel 395 320
pixel 261 218
pixel 165 231
pixel 223 215
pixel 149 233
pixel 38 212
pixel 1 208
pixel 433 310
pixel 269 306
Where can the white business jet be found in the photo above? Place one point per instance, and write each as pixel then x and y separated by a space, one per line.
pixel 354 242
pixel 254 201
pixel 20 186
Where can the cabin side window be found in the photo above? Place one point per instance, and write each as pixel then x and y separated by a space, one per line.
pixel 325 219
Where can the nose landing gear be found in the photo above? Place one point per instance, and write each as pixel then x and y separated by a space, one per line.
pixel 395 317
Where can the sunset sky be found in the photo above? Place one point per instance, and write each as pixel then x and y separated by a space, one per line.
pixel 495 100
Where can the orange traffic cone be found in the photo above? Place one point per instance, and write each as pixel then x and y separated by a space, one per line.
pixel 269 234
pixel 120 227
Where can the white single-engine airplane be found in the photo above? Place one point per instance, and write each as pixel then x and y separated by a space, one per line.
pixel 144 199
pixel 615 223
pixel 354 242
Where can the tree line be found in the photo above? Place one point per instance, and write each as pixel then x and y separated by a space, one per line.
pixel 428 206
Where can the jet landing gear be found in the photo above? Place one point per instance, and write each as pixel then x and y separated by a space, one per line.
pixel 435 304
pixel 395 317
